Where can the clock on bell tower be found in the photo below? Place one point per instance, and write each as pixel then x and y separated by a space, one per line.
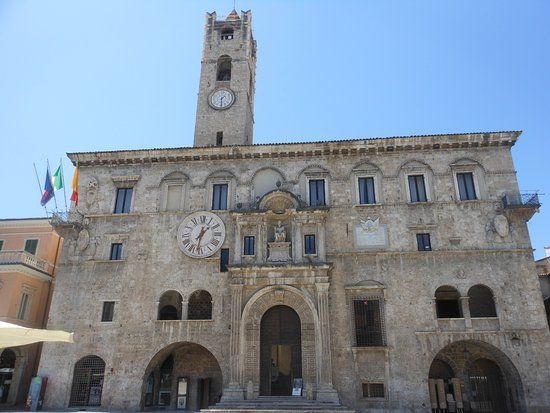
pixel 225 107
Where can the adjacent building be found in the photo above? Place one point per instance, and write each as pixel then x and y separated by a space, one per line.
pixel 543 269
pixel 384 274
pixel 29 250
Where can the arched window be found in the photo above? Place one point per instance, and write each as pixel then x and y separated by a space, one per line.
pixel 224 68
pixel 200 306
pixel 227 33
pixel 482 303
pixel 447 302
pixel 87 382
pixel 170 306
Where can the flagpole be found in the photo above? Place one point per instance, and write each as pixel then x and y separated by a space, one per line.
pixel 54 197
pixel 63 180
pixel 39 186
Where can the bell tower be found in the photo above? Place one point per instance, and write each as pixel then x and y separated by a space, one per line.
pixel 225 107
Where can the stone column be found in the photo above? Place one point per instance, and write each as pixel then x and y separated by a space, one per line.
pixel 321 241
pixel 465 304
pixel 235 391
pixel 325 390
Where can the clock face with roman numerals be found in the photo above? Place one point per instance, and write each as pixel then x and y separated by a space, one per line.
pixel 201 234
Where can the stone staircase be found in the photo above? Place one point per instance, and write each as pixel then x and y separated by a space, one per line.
pixel 277 404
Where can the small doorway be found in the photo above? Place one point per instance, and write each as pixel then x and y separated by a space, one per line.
pixel 280 351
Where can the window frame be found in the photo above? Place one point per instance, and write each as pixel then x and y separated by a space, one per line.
pixel 35 250
pixel 366 385
pixel 409 189
pixel 25 302
pixel 374 189
pixel 216 185
pixel 473 182
pixel 124 205
pixel 116 251
pixel 317 180
pixel 307 244
pixel 108 311
pixel 249 249
pixel 382 342
pixel 423 242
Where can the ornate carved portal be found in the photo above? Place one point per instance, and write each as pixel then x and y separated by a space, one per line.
pixel 314 332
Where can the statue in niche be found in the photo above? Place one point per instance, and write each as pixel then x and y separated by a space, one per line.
pixel 280 232
pixel 91 192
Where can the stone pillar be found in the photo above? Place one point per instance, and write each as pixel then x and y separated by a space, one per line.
pixel 321 242
pixel 297 242
pixel 465 304
pixel 238 242
pixel 235 391
pixel 325 390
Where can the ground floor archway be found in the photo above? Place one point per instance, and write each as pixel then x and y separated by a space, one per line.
pixel 473 376
pixel 182 376
pixel 280 351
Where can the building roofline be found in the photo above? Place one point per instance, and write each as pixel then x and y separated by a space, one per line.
pixel 315 148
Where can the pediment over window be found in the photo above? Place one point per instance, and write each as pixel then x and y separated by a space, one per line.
pixel 278 201
pixel 366 284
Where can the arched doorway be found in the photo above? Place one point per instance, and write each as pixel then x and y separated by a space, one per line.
pixel 476 377
pixel 280 351
pixel 182 376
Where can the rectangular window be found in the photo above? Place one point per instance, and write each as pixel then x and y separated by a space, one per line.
pixel 248 247
pixel 309 245
pixel 31 245
pixel 219 138
pixel 173 197
pixel 373 390
pixel 116 251
pixel 123 200
pixel 1 244
pixel 224 259
pixel 417 189
pixel 366 191
pixel 108 311
pixel 219 196
pixel 317 192
pixel 368 323
pixel 423 242
pixel 466 188
pixel 24 306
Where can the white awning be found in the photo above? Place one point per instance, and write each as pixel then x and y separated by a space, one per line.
pixel 12 335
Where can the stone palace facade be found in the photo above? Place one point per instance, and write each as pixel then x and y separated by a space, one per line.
pixel 387 274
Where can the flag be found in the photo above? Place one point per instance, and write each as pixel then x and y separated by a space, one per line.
pixel 57 179
pixel 74 196
pixel 48 189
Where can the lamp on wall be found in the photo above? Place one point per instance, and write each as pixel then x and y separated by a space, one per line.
pixel 515 340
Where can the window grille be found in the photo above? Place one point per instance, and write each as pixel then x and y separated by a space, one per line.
pixel 219 196
pixel 123 200
pixel 466 188
pixel 417 188
pixel 200 306
pixel 366 191
pixel 87 382
pixel 371 390
pixel 317 192
pixel 369 329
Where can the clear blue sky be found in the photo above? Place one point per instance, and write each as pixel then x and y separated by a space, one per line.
pixel 123 74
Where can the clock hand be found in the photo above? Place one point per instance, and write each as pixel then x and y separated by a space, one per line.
pixel 201 234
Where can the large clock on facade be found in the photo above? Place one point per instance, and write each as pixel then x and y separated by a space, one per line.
pixel 201 234
pixel 221 99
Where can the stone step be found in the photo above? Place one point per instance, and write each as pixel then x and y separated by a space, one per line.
pixel 276 404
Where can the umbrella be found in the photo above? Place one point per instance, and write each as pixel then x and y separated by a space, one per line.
pixel 12 335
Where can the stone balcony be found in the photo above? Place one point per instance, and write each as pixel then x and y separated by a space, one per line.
pixel 23 258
